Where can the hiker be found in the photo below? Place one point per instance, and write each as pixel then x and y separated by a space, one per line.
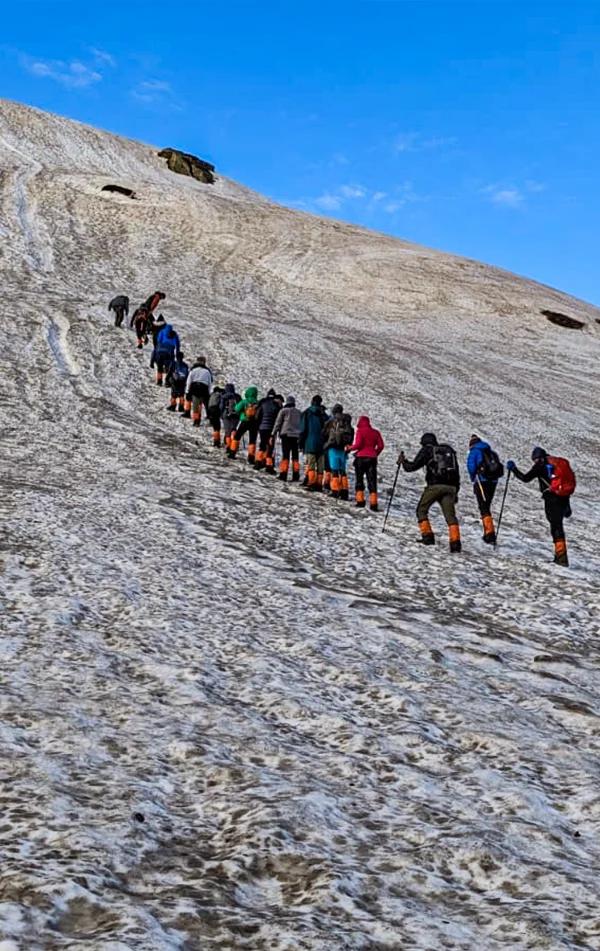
pixel 443 482
pixel 557 483
pixel 177 375
pixel 165 352
pixel 288 426
pixel 338 434
pixel 267 412
pixel 197 391
pixel 312 444
pixel 214 411
pixel 485 468
pixel 368 446
pixel 229 400
pixel 153 301
pixel 155 326
pixel 120 306
pixel 140 322
pixel 246 410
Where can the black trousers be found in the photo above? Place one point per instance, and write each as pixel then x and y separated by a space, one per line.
pixel 289 447
pixel 365 468
pixel 558 507
pixel 119 316
pixel 201 392
pixel 264 437
pixel 484 493
pixel 247 426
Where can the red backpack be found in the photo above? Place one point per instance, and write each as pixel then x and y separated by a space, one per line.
pixel 562 477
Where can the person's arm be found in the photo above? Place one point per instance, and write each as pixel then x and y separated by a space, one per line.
pixel 537 471
pixel 278 422
pixel 419 462
pixel 473 463
pixel 357 444
pixel 240 407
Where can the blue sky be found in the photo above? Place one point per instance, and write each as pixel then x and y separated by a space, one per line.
pixel 466 126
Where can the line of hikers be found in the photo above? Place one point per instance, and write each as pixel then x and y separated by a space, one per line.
pixel 327 441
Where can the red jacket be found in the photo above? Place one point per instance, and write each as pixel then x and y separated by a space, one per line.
pixel 368 442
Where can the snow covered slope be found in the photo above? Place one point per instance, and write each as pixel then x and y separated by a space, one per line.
pixel 236 717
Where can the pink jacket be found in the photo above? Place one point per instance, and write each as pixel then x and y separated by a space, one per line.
pixel 368 442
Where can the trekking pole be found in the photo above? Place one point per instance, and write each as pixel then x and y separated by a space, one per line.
pixel 391 498
pixel 502 507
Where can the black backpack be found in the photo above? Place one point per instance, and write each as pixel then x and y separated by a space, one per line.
pixel 341 433
pixel 444 465
pixel 490 467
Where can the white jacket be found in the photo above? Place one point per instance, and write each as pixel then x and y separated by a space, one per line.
pixel 199 375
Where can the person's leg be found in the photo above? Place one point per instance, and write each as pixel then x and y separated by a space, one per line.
pixel 236 438
pixel 261 455
pixel 286 450
pixel 556 508
pixel 197 403
pixel 484 493
pixel 335 465
pixel 270 455
pixel 320 470
pixel 429 496
pixel 215 422
pixel 173 401
pixel 447 499
pixel 371 474
pixel 326 470
pixel 295 458
pixel 252 437
pixel 360 482
pixel 311 470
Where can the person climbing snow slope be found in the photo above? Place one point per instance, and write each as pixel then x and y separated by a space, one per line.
pixel 246 410
pixel 177 375
pixel 120 306
pixel 197 391
pixel 338 434
pixel 442 479
pixel 214 411
pixel 484 468
pixel 288 426
pixel 557 483
pixel 312 443
pixel 266 413
pixel 368 446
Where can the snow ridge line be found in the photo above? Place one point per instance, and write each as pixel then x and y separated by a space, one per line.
pixel 38 258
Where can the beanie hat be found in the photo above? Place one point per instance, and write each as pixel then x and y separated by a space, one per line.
pixel 271 392
pixel 317 400
pixel 338 408
pixel 290 401
pixel 474 439
pixel 428 439
pixel 538 453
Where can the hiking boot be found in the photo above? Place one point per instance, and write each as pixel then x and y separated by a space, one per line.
pixel 490 538
pixel 159 382
pixel 360 504
pixel 428 538
pixel 187 414
pixel 171 409
pixel 216 443
pixel 181 408
pixel 374 507
pixel 344 496
pixel 270 470
pixel 560 553
pixel 196 422
pixel 562 560
pixel 295 477
pixel 140 346
pixel 455 546
pixel 282 476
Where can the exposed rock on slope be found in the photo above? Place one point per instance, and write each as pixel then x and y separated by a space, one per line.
pixel 185 164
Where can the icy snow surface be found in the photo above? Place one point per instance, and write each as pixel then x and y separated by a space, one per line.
pixel 236 717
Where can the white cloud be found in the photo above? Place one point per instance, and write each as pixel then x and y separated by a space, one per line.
pixel 416 142
pixel 329 202
pixel 155 92
pixel 533 186
pixel 379 196
pixel 101 56
pixel 510 197
pixel 73 74
pixel 393 206
pixel 353 191
pixel 406 142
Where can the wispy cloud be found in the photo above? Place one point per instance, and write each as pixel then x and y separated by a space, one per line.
pixel 329 202
pixel 352 191
pixel 155 92
pixel 101 56
pixel 417 142
pixel 374 201
pixel 73 73
pixel 508 197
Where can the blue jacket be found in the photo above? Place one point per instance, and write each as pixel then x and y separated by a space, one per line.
pixel 475 459
pixel 311 435
pixel 168 341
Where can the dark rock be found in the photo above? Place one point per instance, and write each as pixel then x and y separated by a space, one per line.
pixel 139 817
pixel 562 320
pixel 185 164
pixel 120 189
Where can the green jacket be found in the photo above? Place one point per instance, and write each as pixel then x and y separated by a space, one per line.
pixel 250 399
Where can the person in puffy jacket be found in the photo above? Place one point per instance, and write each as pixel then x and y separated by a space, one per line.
pixel 368 445
pixel 246 409
pixel 177 375
pixel 557 507
pixel 442 485
pixel 153 301
pixel 120 306
pixel 266 414
pixel 483 487
pixel 166 349
pixel 229 400
pixel 288 426
pixel 312 443
pixel 197 390
pixel 214 411
pixel 338 434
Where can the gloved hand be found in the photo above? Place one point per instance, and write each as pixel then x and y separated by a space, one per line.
pixel 401 458
pixel 510 465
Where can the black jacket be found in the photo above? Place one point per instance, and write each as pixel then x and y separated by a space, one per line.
pixel 539 471
pixel 267 412
pixel 424 460
pixel 120 302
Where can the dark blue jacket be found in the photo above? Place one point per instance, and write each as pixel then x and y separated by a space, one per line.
pixel 475 459
pixel 311 434
pixel 229 396
pixel 267 413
